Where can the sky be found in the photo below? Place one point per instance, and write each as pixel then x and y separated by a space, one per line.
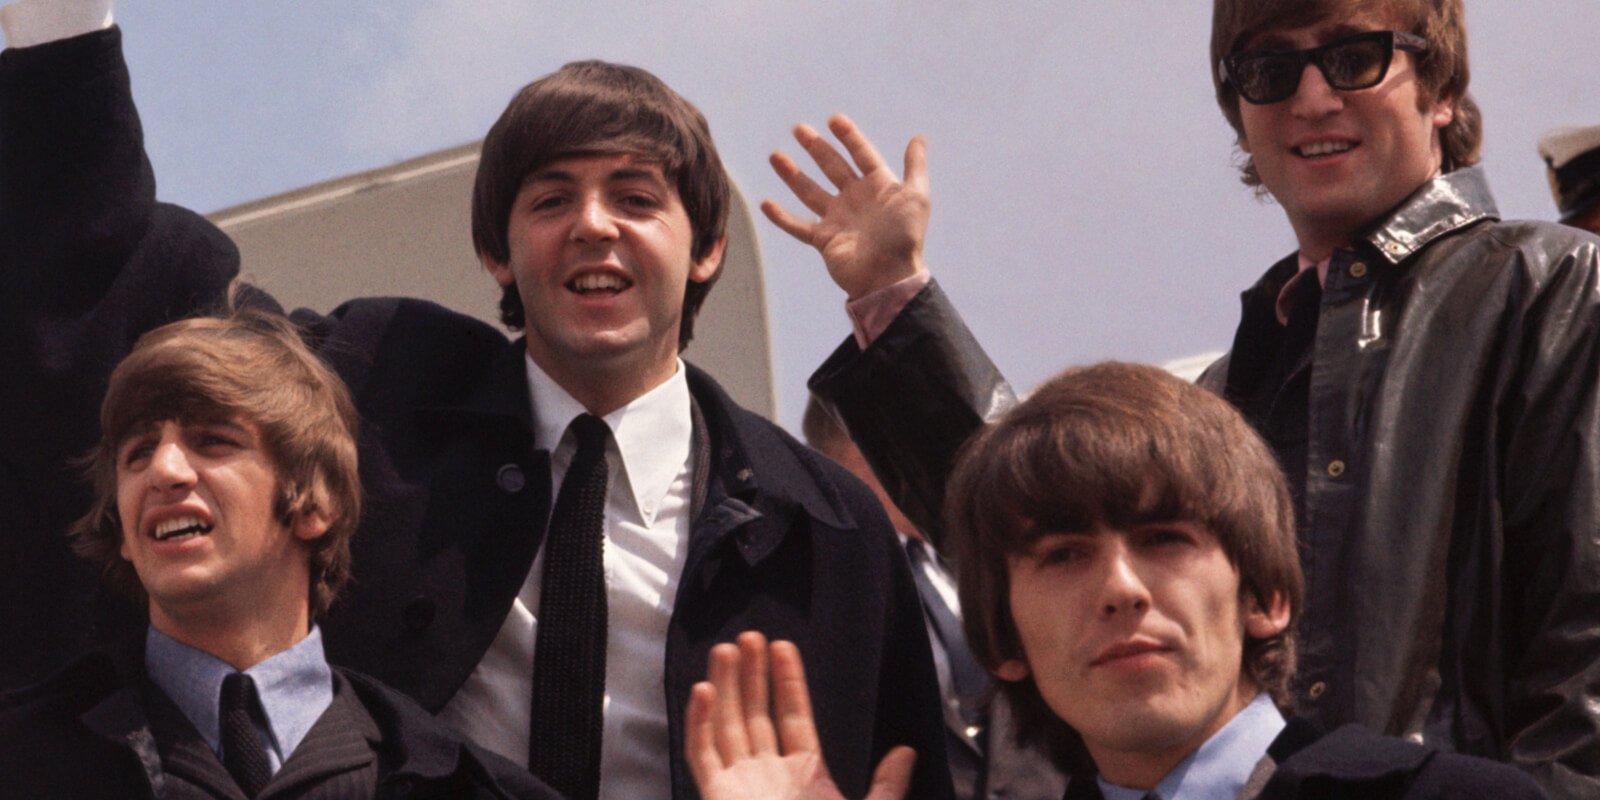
pixel 1086 203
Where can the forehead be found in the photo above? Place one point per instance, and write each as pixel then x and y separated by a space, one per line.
pixel 1327 29
pixel 600 167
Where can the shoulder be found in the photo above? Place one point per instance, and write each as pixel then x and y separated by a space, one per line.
pixel 419 343
pixel 1365 764
pixel 1543 253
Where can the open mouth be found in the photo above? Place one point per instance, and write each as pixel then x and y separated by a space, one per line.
pixel 1316 150
pixel 598 283
pixel 180 528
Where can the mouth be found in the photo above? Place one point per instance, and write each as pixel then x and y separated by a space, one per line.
pixel 179 528
pixel 1128 650
pixel 598 284
pixel 1326 148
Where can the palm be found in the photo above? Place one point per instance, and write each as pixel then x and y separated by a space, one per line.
pixel 870 232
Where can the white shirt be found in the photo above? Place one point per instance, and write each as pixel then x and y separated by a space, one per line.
pixel 646 544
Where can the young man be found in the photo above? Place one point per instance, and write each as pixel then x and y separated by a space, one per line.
pixel 676 519
pixel 1423 371
pixel 985 759
pixel 1129 571
pixel 226 492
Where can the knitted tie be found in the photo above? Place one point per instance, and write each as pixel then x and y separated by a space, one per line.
pixel 569 661
pixel 242 751
pixel 971 681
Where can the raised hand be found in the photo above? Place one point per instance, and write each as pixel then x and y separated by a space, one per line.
pixel 737 752
pixel 870 233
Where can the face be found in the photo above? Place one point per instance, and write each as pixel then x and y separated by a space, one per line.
pixel 1135 637
pixel 1337 160
pixel 600 255
pixel 195 501
pixel 849 456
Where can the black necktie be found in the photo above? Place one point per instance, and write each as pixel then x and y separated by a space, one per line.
pixel 242 751
pixel 569 660
pixel 971 682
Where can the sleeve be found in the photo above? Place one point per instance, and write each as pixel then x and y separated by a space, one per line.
pixel 1550 503
pixel 911 399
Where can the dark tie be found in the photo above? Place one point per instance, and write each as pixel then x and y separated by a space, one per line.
pixel 242 751
pixel 569 660
pixel 971 682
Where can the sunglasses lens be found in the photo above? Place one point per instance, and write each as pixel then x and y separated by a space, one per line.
pixel 1267 77
pixel 1355 65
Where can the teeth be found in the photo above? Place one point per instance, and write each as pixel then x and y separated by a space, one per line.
pixel 180 526
pixel 595 281
pixel 1324 148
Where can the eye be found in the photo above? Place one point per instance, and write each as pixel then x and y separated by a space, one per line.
pixel 136 452
pixel 545 202
pixel 1163 536
pixel 640 200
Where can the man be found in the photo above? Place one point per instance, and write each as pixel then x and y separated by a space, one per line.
pixel 1422 370
pixel 985 760
pixel 1572 159
pixel 1130 575
pixel 226 492
pixel 676 518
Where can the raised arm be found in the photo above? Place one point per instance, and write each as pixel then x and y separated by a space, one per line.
pixel 912 384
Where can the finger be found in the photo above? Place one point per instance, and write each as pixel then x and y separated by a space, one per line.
pixel 892 779
pixel 700 746
pixel 856 144
pixel 797 729
pixel 753 691
pixel 828 159
pixel 815 197
pixel 732 743
pixel 789 223
pixel 916 174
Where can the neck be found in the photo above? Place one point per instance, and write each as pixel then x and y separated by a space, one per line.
pixel 602 387
pixel 1144 766
pixel 243 641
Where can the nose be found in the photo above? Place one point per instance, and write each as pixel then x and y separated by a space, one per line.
pixel 595 222
pixel 1123 590
pixel 1314 98
pixel 170 468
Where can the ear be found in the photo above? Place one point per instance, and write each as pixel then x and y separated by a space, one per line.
pixel 1011 670
pixel 310 525
pixel 1265 623
pixel 501 272
pixel 1443 112
pixel 702 269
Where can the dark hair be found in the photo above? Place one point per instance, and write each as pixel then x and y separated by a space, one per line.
pixel 1117 443
pixel 1441 72
pixel 253 365
pixel 592 107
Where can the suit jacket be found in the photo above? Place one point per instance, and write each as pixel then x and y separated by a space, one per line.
pixel 1352 763
pixel 457 497
pixel 100 728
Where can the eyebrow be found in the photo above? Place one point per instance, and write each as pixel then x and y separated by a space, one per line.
pixel 1277 41
pixel 619 174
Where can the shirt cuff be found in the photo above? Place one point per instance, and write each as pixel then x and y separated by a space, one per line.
pixel 871 313
pixel 31 22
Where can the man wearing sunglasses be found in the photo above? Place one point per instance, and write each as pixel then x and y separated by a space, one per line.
pixel 1425 373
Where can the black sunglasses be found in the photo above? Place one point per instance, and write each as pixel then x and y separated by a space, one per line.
pixel 1356 62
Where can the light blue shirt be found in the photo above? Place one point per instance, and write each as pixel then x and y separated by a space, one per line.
pixel 1219 769
pixel 294 686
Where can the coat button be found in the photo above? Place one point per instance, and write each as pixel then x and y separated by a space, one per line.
pixel 418 614
pixel 510 479
pixel 1317 689
pixel 1358 270
pixel 1335 468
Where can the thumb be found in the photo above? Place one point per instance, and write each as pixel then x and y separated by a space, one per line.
pixel 893 778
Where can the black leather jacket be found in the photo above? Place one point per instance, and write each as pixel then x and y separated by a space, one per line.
pixel 1452 543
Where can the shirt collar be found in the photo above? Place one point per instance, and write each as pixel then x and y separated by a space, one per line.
pixel 1219 769
pixel 295 686
pixel 652 433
